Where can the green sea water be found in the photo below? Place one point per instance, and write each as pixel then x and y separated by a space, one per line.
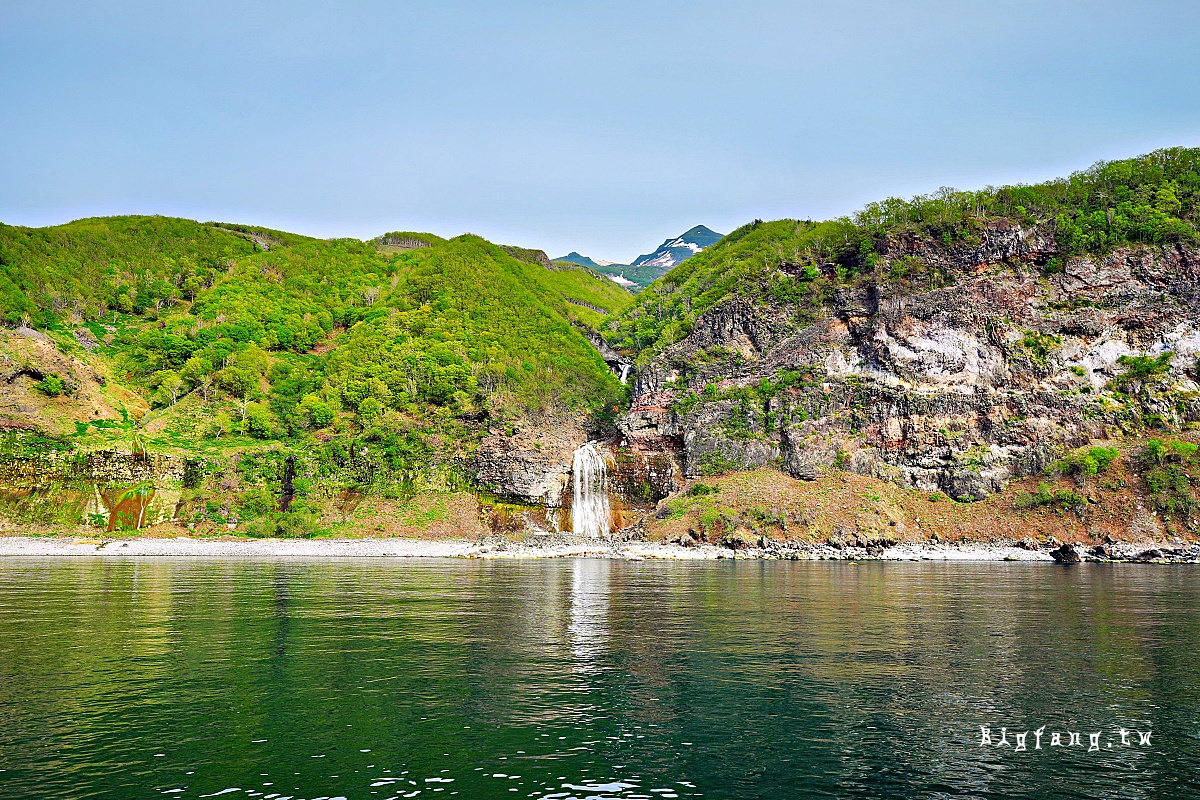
pixel 379 678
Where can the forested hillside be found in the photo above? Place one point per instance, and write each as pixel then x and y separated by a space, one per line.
pixel 224 334
pixel 1152 199
pixel 126 264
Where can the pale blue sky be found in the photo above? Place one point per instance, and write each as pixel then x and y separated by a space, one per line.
pixel 602 127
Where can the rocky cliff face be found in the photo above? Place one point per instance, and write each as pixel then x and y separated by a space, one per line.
pixel 534 464
pixel 60 486
pixel 957 388
pixel 531 464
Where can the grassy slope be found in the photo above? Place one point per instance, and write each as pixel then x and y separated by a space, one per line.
pixel 585 291
pixel 467 319
pixel 743 506
pixel 158 292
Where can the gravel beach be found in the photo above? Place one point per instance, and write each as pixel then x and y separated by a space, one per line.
pixel 183 547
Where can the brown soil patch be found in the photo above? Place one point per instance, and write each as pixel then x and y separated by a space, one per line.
pixel 328 343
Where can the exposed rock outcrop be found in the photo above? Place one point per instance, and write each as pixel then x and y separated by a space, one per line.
pixel 641 477
pixel 957 387
pixel 531 464
pixel 530 256
pixel 59 484
pixel 534 465
pixel 620 365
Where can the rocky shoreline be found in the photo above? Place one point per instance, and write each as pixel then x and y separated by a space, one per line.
pixel 565 547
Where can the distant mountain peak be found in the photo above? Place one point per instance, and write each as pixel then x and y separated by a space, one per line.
pixel 576 258
pixel 677 250
pixel 652 266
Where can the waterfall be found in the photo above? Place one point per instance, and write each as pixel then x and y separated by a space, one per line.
pixel 625 372
pixel 589 510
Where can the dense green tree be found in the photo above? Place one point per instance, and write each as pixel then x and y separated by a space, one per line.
pixel 170 385
pixel 257 421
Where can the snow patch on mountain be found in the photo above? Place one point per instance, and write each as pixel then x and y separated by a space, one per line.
pixel 677 250
pixel 695 248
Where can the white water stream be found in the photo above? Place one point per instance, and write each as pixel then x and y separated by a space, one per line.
pixel 589 510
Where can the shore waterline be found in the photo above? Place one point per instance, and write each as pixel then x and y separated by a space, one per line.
pixel 565 547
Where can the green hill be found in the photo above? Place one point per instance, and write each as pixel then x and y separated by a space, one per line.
pixel 467 325
pixel 1152 199
pixel 227 336
pixel 127 264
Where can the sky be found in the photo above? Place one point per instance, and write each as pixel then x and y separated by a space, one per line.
pixel 601 127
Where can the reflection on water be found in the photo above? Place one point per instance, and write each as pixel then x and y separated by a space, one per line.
pixel 591 678
pixel 589 612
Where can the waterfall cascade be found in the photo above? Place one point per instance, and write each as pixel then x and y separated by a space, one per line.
pixel 589 510
pixel 625 368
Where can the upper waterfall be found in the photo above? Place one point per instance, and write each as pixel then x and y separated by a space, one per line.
pixel 590 513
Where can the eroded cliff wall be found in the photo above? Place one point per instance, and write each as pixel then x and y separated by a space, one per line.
pixel 1001 360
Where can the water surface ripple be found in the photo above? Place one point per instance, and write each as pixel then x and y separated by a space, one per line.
pixel 593 679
